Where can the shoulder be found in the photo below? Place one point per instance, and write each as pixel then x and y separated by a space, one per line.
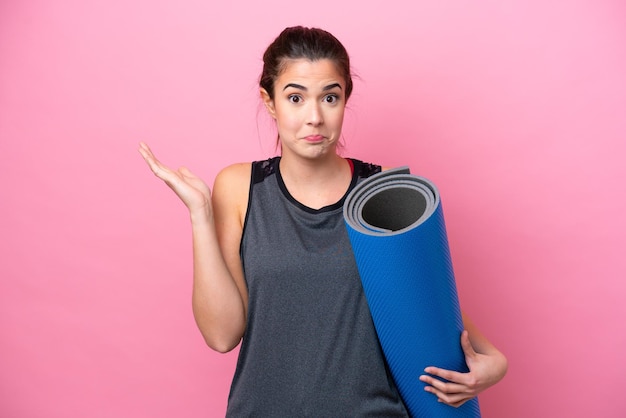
pixel 235 177
pixel 254 171
pixel 233 183
pixel 230 190
pixel 363 169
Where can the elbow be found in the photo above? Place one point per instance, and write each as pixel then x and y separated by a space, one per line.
pixel 221 335
pixel 502 366
pixel 505 365
pixel 222 346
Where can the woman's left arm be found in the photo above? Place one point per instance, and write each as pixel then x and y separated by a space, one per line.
pixel 487 366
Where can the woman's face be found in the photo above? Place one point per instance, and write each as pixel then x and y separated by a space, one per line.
pixel 308 106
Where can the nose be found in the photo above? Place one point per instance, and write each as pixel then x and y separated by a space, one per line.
pixel 315 117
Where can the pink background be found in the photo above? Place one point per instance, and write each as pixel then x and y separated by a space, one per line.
pixel 516 109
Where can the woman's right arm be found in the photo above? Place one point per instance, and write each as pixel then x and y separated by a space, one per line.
pixel 219 297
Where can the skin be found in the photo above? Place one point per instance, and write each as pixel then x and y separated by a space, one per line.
pixel 308 107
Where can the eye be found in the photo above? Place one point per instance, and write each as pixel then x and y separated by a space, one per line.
pixel 331 98
pixel 294 98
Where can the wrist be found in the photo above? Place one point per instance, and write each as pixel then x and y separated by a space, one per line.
pixel 200 216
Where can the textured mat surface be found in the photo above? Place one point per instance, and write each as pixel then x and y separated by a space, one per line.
pixel 398 235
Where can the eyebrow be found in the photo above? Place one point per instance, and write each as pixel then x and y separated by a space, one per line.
pixel 299 87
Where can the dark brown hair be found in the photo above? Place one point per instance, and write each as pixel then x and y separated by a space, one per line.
pixel 299 42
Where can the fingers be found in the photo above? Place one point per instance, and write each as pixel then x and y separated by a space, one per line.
pixel 159 170
pixel 164 173
pixel 449 375
pixel 149 157
pixel 455 399
pixel 455 404
pixel 466 345
pixel 145 151
pixel 444 387
pixel 455 388
pixel 450 393
pixel 195 181
pixel 193 192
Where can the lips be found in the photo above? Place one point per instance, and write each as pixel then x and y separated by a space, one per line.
pixel 314 138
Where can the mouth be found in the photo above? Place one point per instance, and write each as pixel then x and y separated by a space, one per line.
pixel 314 138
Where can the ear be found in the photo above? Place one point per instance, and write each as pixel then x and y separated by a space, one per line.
pixel 268 102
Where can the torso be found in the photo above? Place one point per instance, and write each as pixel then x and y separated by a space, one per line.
pixel 310 348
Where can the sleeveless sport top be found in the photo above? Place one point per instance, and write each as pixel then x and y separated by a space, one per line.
pixel 310 348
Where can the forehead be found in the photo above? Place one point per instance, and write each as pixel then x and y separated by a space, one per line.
pixel 305 71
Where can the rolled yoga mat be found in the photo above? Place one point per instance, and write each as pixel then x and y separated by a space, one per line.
pixel 396 228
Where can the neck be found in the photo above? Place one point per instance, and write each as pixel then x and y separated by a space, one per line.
pixel 312 170
pixel 316 182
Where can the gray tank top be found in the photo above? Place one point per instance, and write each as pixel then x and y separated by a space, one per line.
pixel 310 348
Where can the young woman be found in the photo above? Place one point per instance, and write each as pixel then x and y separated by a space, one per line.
pixel 273 265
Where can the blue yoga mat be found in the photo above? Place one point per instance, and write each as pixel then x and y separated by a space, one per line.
pixel 398 235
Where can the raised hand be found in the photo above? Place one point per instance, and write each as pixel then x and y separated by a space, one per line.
pixel 485 370
pixel 194 192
